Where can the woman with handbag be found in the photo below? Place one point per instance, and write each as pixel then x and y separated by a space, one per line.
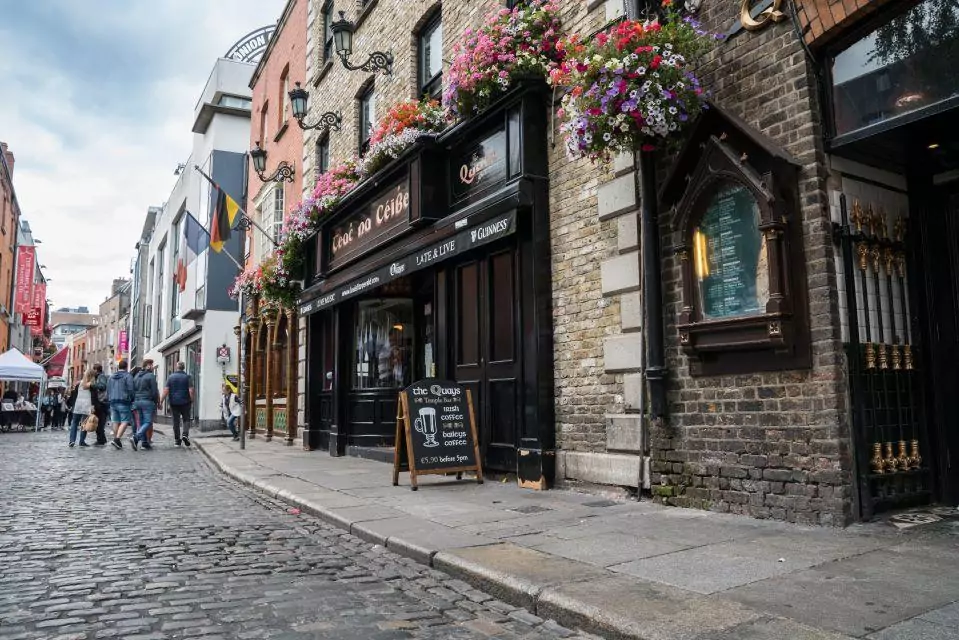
pixel 81 403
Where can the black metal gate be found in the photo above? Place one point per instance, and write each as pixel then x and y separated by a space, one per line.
pixel 884 361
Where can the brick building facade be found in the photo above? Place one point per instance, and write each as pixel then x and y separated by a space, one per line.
pixel 9 224
pixel 784 441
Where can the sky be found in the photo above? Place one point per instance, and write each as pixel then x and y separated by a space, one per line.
pixel 96 103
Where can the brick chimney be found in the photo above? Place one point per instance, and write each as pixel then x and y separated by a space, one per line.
pixel 9 155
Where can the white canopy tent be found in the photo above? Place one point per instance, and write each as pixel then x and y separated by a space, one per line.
pixel 16 367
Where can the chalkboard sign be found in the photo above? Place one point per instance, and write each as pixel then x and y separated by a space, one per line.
pixel 435 431
pixel 731 256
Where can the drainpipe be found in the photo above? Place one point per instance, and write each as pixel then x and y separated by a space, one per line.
pixel 651 268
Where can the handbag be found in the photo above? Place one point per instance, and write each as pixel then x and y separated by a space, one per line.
pixel 91 423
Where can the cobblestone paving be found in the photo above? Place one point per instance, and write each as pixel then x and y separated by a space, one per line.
pixel 98 543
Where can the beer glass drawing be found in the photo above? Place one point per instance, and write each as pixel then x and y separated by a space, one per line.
pixel 426 424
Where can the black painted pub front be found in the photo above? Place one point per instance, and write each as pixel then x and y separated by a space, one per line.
pixel 439 266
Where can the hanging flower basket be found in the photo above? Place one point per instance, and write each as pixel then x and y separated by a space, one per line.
pixel 512 43
pixel 631 85
pixel 249 283
pixel 402 127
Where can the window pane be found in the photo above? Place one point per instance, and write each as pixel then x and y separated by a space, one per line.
pixel 382 344
pixel 323 155
pixel 729 256
pixel 434 63
pixel 279 194
pixel 905 65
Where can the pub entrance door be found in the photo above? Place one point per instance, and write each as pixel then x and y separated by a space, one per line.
pixel 937 255
pixel 485 349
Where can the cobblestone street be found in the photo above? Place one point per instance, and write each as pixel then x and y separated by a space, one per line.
pixel 98 543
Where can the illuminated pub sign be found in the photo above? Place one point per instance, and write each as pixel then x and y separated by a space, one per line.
pixel 480 165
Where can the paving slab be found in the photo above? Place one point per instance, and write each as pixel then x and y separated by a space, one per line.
pixel 916 629
pixel 724 565
pixel 512 573
pixel 621 607
pixel 607 549
pixel 858 595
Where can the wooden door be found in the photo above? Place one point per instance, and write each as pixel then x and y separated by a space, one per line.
pixel 485 350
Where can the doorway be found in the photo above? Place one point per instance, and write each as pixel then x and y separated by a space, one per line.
pixel 485 350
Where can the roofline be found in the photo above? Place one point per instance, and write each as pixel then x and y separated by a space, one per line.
pixel 284 17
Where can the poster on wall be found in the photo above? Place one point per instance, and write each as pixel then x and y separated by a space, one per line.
pixel 26 265
pixel 123 344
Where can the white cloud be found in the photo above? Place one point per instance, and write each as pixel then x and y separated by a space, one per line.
pixel 97 108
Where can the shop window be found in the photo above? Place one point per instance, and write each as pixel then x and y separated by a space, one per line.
pixel 259 367
pixel 383 344
pixel 280 355
pixel 739 248
pixel 431 58
pixel 906 65
pixel 367 112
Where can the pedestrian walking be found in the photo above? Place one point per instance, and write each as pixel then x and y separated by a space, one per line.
pixel 60 410
pixel 81 407
pixel 179 388
pixel 120 395
pixel 230 408
pixel 101 405
pixel 46 407
pixel 146 397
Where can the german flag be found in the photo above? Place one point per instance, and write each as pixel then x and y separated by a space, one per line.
pixel 223 216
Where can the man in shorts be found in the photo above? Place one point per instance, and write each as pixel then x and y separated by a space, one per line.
pixel 179 388
pixel 120 396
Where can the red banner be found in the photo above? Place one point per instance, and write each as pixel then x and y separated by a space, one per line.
pixel 26 265
pixel 37 315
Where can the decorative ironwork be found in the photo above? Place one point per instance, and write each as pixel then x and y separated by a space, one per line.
pixel 343 30
pixel 915 460
pixel 878 465
pixel 885 398
pixel 890 462
pixel 284 173
pixel 327 121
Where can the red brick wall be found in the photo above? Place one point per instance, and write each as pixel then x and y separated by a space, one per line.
pixel 823 20
pixel 284 139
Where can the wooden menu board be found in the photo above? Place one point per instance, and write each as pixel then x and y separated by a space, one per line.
pixel 435 431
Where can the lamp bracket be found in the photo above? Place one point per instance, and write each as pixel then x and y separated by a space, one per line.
pixel 327 121
pixel 284 173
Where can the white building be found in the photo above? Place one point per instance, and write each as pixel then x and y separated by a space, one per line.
pixel 188 321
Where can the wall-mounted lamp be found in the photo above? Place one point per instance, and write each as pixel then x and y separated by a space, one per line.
pixel 343 30
pixel 299 98
pixel 284 170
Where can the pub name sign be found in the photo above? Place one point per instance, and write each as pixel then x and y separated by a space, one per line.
pixel 378 221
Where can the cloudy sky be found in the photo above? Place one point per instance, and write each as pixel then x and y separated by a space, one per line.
pixel 96 103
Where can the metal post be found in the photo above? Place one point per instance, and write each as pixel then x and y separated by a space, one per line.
pixel 241 423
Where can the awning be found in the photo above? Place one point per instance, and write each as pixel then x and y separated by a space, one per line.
pixel 56 363
pixel 489 231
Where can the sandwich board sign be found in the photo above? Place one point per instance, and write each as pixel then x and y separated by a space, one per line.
pixel 435 431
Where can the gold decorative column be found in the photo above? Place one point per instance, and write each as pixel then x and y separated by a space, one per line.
pixel 292 382
pixel 269 317
pixel 254 325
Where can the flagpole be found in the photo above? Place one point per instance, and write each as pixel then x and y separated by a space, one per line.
pixel 247 217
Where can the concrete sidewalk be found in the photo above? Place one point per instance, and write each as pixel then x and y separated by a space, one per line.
pixel 630 569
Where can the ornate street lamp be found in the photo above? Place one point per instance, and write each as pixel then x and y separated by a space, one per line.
pixel 343 30
pixel 298 99
pixel 283 173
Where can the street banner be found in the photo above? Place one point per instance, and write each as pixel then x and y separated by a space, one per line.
pixel 123 344
pixel 26 265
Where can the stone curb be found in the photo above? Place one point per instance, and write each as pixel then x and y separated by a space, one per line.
pixel 510 589
pixel 545 600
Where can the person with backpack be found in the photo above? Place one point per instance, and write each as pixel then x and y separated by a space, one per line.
pixel 101 405
pixel 230 409
pixel 179 388
pixel 146 397
pixel 120 395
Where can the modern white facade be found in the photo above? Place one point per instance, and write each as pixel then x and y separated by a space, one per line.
pixel 188 321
